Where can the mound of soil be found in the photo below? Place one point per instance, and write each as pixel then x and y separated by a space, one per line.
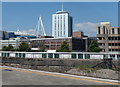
pixel 102 73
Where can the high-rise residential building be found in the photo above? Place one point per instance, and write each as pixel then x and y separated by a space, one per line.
pixel 108 37
pixel 61 24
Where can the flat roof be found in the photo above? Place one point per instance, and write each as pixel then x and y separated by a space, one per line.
pixel 52 38
pixel 61 12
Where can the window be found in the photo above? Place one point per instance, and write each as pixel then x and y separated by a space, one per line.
pixel 103 29
pixel 113 31
pixel 87 56
pixel 80 56
pixel 105 56
pixel 118 30
pixel 115 44
pixel 20 55
pixel 74 56
pixel 112 56
pixel 99 30
pixel 16 54
pixel 50 55
pixel 23 55
pixel 44 55
pixel 118 56
pixel 109 44
pixel 56 55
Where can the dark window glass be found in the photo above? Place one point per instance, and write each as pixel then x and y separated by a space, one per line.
pixel 99 30
pixel 74 56
pixel 118 30
pixel 56 55
pixel 44 55
pixel 50 55
pixel 103 29
pixel 80 56
pixel 113 31
pixel 87 56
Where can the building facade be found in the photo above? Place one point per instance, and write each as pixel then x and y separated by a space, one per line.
pixel 75 44
pixel 108 37
pixel 61 24
pixel 15 42
pixel 78 34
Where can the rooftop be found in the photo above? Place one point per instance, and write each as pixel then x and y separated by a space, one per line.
pixel 61 12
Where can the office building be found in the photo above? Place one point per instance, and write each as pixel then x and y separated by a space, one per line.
pixel 108 37
pixel 61 24
pixel 75 44
pixel 13 41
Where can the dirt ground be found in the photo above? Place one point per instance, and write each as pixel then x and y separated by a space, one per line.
pixel 102 73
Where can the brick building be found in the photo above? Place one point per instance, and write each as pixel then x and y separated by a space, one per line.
pixel 75 44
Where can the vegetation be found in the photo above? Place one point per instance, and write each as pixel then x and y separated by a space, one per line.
pixel 64 47
pixel 8 48
pixel 94 47
pixel 42 48
pixel 24 47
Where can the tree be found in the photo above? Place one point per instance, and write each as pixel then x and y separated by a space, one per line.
pixel 24 47
pixel 64 47
pixel 42 49
pixel 94 47
pixel 8 48
pixel 4 48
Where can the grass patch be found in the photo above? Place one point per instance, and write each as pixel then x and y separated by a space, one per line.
pixel 87 68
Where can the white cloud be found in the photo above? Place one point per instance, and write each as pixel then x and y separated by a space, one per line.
pixel 29 31
pixel 88 28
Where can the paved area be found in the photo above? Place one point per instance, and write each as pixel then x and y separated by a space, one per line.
pixel 12 76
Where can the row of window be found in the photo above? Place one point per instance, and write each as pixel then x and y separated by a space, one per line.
pixel 115 50
pixel 56 55
pixel 114 44
pixel 105 29
pixel 110 44
pixel 60 18
pixel 109 38
pixel 113 38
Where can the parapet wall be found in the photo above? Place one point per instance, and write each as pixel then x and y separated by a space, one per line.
pixel 52 62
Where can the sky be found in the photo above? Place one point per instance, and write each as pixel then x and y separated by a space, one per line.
pixel 86 15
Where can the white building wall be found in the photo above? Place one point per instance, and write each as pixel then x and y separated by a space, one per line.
pixel 60 25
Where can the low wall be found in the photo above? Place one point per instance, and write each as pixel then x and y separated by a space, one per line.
pixel 52 62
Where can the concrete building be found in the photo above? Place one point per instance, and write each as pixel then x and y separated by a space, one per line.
pixel 75 44
pixel 61 24
pixel 108 37
pixel 14 42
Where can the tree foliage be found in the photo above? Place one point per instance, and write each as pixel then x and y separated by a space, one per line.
pixel 42 49
pixel 64 47
pixel 4 48
pixel 24 47
pixel 94 47
pixel 8 48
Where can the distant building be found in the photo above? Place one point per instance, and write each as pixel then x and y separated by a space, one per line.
pixel 79 34
pixel 75 44
pixel 1 35
pixel 108 37
pixel 4 35
pixel 14 42
pixel 61 24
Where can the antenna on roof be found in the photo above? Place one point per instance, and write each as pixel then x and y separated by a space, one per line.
pixel 62 5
